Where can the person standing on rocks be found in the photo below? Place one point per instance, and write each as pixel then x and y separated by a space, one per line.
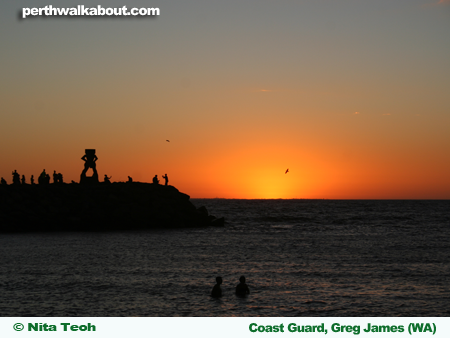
pixel 32 179
pixel 42 177
pixel 23 179
pixel 166 179
pixel 155 180
pixel 16 177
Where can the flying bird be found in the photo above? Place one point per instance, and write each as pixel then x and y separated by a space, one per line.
pixel 167 141
pixel 287 170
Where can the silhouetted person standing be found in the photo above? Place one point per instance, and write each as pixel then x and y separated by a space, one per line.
pixel 47 179
pixel 242 289
pixel 42 179
pixel 217 291
pixel 166 179
pixel 155 179
pixel 4 181
pixel 107 179
pixel 23 179
pixel 55 177
pixel 16 177
pixel 130 179
pixel 32 179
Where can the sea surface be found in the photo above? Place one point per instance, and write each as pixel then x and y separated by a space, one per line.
pixel 300 258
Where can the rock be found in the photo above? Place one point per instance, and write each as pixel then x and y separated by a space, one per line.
pixel 98 207
pixel 202 210
pixel 218 222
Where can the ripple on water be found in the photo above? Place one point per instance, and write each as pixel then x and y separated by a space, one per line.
pixel 372 260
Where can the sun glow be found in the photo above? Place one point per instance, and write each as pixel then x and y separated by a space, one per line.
pixel 272 183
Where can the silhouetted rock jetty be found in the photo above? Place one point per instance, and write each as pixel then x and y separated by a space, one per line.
pixel 99 207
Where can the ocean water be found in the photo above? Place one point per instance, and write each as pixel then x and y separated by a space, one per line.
pixel 300 258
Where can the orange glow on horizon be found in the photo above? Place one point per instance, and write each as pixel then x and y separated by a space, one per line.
pixel 240 100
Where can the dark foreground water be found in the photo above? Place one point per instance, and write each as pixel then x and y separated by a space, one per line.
pixel 300 258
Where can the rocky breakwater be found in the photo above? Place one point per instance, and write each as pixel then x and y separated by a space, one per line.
pixel 99 207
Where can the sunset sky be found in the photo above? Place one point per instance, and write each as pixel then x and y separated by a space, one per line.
pixel 353 96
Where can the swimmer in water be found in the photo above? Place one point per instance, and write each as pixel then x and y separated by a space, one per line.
pixel 217 291
pixel 242 289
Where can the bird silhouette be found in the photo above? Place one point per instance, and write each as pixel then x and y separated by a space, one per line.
pixel 287 170
pixel 167 141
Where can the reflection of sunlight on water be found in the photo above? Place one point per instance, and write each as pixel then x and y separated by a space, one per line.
pixel 284 226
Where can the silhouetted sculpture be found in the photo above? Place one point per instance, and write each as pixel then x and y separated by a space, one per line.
pixel 16 177
pixel 23 179
pixel 42 179
pixel 166 179
pixel 217 291
pixel 32 179
pixel 89 159
pixel 242 289
pixel 155 179
pixel 107 179
pixel 130 179
pixel 4 181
